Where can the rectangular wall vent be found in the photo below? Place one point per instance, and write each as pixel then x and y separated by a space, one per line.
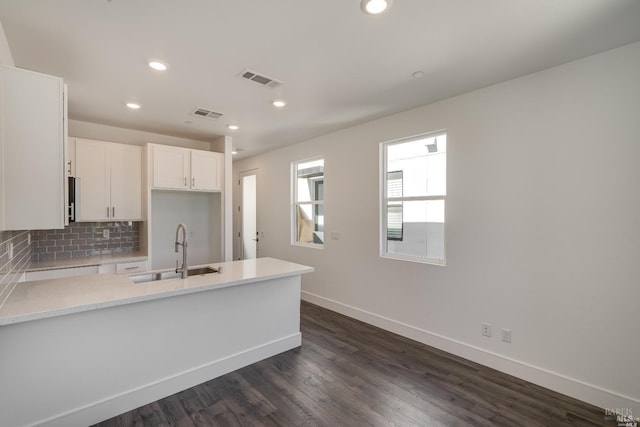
pixel 203 112
pixel 260 78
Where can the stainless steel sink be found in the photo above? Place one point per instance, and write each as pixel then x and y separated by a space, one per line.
pixel 201 270
pixel 163 275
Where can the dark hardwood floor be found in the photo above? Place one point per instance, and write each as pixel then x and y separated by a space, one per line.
pixel 348 373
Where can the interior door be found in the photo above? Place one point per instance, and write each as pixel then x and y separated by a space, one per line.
pixel 248 215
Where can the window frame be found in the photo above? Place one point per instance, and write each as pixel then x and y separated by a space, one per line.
pixel 384 199
pixel 295 203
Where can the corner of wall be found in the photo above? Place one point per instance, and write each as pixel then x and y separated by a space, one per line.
pixel 5 51
pixel 224 145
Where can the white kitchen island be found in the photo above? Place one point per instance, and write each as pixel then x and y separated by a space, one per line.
pixel 79 350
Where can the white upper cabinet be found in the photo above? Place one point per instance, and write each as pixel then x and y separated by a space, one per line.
pixel 206 168
pixel 109 176
pixel 177 168
pixel 126 182
pixel 92 174
pixel 170 167
pixel 32 134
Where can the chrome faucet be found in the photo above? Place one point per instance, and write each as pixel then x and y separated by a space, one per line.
pixel 184 268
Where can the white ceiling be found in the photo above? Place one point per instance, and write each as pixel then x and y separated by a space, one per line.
pixel 339 66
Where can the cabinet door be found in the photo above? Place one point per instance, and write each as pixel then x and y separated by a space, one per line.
pixel 205 170
pixel 126 182
pixel 92 170
pixel 31 150
pixel 170 167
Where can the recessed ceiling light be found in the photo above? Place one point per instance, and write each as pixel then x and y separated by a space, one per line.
pixel 374 7
pixel 234 152
pixel 133 105
pixel 417 74
pixel 279 103
pixel 233 127
pixel 158 65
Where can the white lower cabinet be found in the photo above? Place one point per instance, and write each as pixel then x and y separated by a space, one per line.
pixel 123 268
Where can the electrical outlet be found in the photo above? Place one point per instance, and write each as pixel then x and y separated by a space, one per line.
pixel 506 335
pixel 486 329
pixel 10 251
pixel 28 238
pixel 105 233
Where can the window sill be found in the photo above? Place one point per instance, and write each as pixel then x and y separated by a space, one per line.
pixel 308 245
pixel 419 260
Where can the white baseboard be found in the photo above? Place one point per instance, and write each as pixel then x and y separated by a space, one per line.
pixel 147 393
pixel 577 389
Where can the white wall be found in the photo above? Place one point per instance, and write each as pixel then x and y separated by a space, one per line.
pixel 200 212
pixel 224 144
pixel 543 227
pixel 97 131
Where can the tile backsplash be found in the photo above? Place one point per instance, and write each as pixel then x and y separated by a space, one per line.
pixel 11 268
pixel 81 239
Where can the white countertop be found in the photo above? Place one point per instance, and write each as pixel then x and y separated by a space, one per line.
pixel 48 298
pixel 87 261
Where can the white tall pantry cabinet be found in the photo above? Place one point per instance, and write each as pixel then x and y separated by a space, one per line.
pixel 32 134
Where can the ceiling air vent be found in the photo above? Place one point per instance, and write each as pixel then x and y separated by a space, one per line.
pixel 208 114
pixel 260 78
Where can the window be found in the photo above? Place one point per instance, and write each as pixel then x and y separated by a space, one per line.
pixel 413 191
pixel 308 203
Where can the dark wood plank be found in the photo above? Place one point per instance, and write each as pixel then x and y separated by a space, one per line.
pixel 348 373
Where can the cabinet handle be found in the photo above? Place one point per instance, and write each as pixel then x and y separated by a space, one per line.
pixel 113 212
pixel 185 181
pixel 131 268
pixel 107 211
pixel 193 181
